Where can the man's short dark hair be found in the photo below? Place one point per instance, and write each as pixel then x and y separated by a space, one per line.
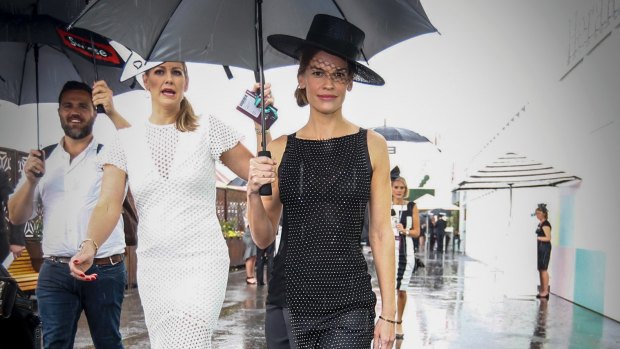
pixel 74 85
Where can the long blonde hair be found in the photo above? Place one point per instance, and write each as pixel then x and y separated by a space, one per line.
pixel 186 118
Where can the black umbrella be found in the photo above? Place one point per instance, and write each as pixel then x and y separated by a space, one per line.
pixel 400 134
pixel 232 33
pixel 40 55
pixel 63 10
pixel 239 182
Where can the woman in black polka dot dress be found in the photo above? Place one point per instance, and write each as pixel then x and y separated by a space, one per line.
pixel 320 294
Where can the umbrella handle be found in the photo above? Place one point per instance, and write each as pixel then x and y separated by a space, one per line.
pixel 265 189
pixel 42 157
pixel 100 108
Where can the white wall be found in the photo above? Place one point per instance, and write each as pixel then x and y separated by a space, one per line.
pixel 573 125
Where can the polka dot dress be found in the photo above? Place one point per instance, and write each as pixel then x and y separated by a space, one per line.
pixel 324 188
pixel 182 256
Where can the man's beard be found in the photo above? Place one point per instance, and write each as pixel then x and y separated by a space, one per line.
pixel 78 133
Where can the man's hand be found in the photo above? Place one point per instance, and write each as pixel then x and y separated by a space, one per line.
pixel 34 167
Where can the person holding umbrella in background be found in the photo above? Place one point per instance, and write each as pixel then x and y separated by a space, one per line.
pixel 169 162
pixel 67 182
pixel 320 294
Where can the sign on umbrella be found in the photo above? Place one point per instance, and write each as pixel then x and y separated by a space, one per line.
pixel 40 55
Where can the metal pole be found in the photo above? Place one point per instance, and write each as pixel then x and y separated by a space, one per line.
pixel 265 190
pixel 36 84
pixel 100 108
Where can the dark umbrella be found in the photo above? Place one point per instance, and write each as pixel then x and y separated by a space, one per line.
pixel 239 182
pixel 400 134
pixel 63 10
pixel 40 55
pixel 232 33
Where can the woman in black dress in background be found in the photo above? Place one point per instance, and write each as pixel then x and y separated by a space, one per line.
pixel 543 237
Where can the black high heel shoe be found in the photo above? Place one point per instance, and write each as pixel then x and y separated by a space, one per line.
pixel 543 297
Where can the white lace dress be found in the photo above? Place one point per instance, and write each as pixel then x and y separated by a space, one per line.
pixel 182 256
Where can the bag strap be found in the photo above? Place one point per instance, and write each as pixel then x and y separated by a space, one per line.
pixel 50 148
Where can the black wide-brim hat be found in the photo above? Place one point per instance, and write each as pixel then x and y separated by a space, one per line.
pixel 335 36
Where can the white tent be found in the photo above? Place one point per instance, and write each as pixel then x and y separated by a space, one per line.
pixel 511 171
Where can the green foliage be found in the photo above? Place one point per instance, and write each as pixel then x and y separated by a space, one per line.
pixel 228 229
pixel 37 223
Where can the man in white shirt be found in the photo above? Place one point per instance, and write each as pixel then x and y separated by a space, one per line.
pixel 66 182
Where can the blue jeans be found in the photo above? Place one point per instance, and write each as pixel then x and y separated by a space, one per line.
pixel 62 298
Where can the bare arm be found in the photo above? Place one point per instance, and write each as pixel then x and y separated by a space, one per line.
pixel 257 127
pixel 237 159
pixel 547 236
pixel 415 222
pixel 102 221
pixel 21 203
pixel 381 236
pixel 264 211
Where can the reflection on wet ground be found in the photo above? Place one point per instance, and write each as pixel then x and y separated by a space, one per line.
pixel 454 302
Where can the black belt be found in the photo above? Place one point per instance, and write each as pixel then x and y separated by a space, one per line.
pixel 112 260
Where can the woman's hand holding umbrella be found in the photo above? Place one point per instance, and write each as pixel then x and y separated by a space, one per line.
pixel 262 171
pixel 103 95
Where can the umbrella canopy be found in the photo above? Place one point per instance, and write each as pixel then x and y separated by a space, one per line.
pixel 41 43
pixel 400 134
pixel 232 33
pixel 511 171
pixel 63 10
pixel 39 56
pixel 225 32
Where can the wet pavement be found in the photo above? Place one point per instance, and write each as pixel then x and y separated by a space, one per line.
pixel 453 302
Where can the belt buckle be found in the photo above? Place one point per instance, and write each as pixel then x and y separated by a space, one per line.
pixel 111 261
pixel 57 259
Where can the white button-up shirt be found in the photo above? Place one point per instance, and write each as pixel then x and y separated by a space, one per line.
pixel 69 191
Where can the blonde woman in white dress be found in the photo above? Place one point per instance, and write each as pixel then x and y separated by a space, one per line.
pixel 405 223
pixel 169 162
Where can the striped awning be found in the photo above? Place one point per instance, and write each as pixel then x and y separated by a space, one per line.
pixel 515 171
